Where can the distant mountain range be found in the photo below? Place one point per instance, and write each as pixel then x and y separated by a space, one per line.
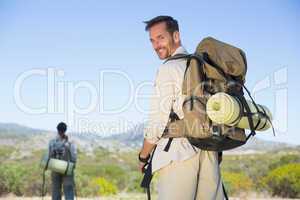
pixel 27 140
pixel 16 130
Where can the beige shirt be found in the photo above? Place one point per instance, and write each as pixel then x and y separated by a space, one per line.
pixel 167 94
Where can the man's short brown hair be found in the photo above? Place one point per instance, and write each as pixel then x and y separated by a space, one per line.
pixel 171 23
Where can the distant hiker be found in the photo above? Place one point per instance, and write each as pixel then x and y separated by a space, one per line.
pixel 61 148
pixel 185 172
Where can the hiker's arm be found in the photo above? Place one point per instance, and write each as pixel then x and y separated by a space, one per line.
pixel 160 106
pixel 50 150
pixel 146 149
pixel 73 152
pixel 161 103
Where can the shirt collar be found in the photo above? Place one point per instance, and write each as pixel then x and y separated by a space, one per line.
pixel 180 50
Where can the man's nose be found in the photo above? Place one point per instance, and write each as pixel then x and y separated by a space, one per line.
pixel 155 45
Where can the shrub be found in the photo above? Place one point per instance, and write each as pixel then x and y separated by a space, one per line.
pixel 284 181
pixel 116 174
pixel 12 179
pixel 34 182
pixel 285 159
pixel 134 182
pixel 236 183
pixel 105 187
pixel 84 186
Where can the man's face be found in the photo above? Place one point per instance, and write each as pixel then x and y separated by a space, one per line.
pixel 162 41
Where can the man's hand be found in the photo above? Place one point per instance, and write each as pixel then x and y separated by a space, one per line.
pixel 144 155
pixel 141 167
pixel 143 161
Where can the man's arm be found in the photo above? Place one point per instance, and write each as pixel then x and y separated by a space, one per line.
pixel 50 151
pixel 147 149
pixel 73 152
pixel 160 107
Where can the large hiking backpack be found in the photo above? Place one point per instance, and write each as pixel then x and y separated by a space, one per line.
pixel 214 67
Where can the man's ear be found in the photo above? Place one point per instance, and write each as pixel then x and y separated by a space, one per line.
pixel 176 37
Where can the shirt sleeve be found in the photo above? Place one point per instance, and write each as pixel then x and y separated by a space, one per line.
pixel 50 150
pixel 73 151
pixel 160 105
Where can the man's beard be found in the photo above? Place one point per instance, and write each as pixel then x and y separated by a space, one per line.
pixel 163 53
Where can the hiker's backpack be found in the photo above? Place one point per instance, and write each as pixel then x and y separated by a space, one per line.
pixel 214 67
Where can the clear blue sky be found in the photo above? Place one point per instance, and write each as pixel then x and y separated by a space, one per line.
pixel 83 38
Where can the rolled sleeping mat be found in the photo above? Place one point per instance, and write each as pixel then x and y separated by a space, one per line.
pixel 56 165
pixel 222 108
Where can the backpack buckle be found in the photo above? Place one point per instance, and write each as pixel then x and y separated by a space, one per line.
pixel 216 130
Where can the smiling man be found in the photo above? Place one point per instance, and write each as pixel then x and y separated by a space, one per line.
pixel 185 172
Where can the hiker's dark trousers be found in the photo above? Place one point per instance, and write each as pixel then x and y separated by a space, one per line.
pixel 59 181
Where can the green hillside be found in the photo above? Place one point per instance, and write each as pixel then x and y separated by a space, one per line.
pixel 106 173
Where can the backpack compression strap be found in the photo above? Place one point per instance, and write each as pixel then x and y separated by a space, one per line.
pixel 173 117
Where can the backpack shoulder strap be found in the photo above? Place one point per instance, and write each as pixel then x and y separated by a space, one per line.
pixel 173 116
pixel 177 57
